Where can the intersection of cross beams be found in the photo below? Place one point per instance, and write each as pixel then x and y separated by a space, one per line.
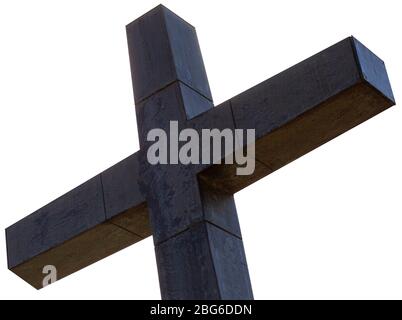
pixel 189 209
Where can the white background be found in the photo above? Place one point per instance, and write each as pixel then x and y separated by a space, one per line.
pixel 328 225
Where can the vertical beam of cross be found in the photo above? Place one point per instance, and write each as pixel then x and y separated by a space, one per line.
pixel 197 236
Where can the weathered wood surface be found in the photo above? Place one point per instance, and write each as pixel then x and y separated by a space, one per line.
pixel 190 209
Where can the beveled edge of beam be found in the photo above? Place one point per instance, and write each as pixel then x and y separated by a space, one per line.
pixel 372 69
pixel 163 49
pixel 159 7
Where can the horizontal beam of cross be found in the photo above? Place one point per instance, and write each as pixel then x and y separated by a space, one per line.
pixel 103 215
pixel 293 113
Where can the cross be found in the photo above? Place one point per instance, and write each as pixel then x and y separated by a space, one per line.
pixel 189 209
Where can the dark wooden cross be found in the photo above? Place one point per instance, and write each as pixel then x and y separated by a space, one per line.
pixel 189 209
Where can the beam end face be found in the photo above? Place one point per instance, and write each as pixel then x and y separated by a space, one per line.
pixel 373 69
